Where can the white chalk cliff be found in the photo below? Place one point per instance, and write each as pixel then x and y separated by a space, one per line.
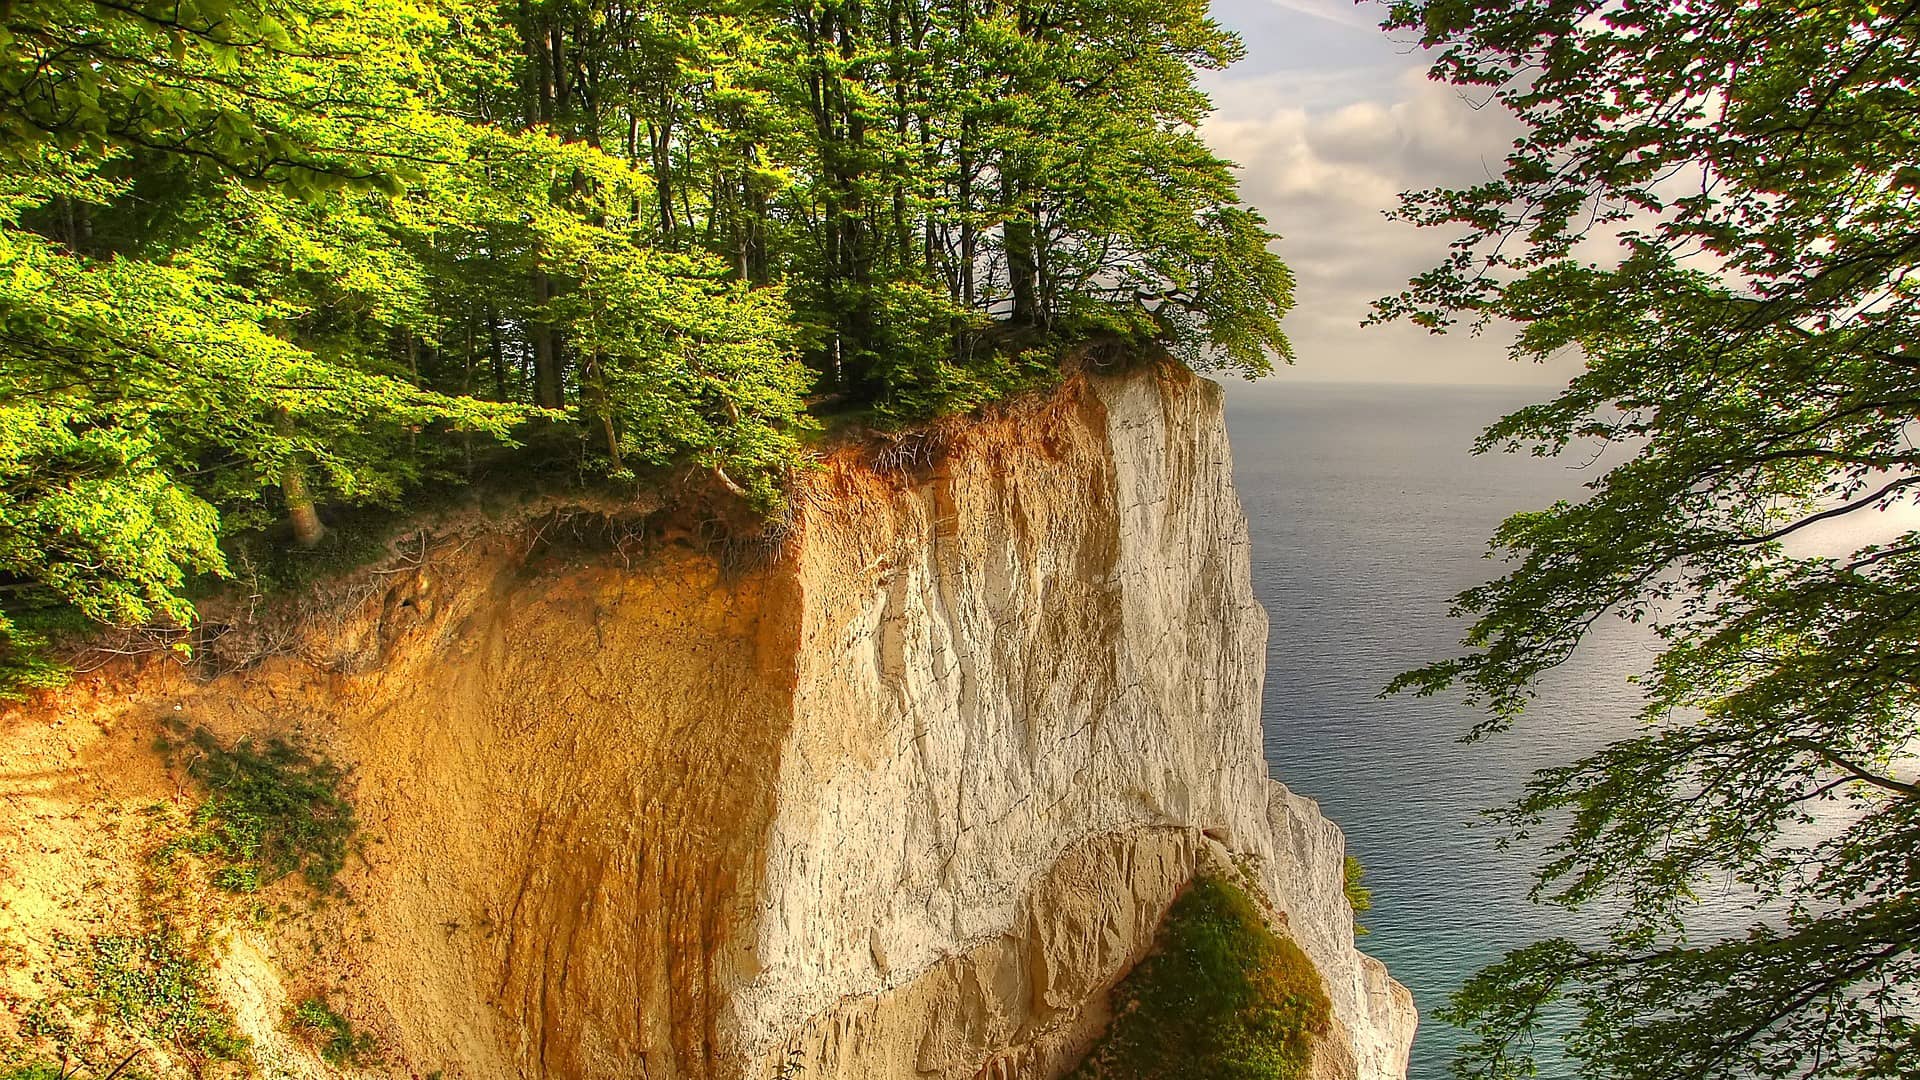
pixel 1029 698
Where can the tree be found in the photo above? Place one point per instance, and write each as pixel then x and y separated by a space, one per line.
pixel 267 262
pixel 1749 352
pixel 95 78
pixel 212 315
pixel 146 379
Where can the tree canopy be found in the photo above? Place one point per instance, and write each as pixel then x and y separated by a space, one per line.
pixel 264 259
pixel 1749 363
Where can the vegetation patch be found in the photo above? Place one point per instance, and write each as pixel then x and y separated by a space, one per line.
pixel 143 985
pixel 332 1034
pixel 271 810
pixel 154 984
pixel 1359 897
pixel 42 1039
pixel 1221 996
pixel 136 997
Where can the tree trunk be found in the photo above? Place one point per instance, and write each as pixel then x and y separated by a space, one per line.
pixel 613 440
pixel 307 528
pixel 595 400
pixel 757 268
pixel 1017 233
pixel 540 108
pixel 496 354
pixel 546 348
pixel 556 38
pixel 659 138
pixel 968 235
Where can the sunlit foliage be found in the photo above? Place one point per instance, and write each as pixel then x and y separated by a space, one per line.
pixel 262 261
pixel 1749 367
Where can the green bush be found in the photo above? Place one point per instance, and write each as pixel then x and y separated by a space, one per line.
pixel 332 1034
pixel 270 811
pixel 154 985
pixel 1359 897
pixel 1221 996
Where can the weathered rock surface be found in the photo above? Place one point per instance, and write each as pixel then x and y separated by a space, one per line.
pixel 903 803
pixel 1049 647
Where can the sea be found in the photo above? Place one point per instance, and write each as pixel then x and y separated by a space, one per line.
pixel 1368 512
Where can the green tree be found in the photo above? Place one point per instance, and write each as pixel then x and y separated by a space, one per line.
pixel 939 186
pixel 1359 896
pixel 266 261
pixel 145 380
pixel 1748 358
pixel 203 333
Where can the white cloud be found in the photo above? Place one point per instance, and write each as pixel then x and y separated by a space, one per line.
pixel 1323 167
pixel 1339 12
pixel 1364 131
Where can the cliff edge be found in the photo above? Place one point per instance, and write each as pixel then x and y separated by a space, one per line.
pixel 901 793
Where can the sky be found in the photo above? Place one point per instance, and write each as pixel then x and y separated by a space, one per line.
pixel 1329 119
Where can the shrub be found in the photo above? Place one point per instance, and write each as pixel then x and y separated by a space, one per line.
pixel 1359 897
pixel 332 1034
pixel 1220 996
pixel 270 811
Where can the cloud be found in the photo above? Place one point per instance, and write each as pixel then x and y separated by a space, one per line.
pixel 1365 131
pixel 1339 12
pixel 1323 168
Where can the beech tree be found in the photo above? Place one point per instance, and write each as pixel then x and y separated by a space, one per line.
pixel 143 381
pixel 264 263
pixel 233 243
pixel 1713 204
pixel 940 185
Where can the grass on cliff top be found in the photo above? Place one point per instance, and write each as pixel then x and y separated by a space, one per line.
pixel 1220 996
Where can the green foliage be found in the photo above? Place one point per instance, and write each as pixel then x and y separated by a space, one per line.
pixel 270 811
pixel 1359 897
pixel 266 263
pixel 1221 996
pixel 27 636
pixel 93 78
pixel 153 984
pixel 1749 364
pixel 33 1070
pixel 333 1035
pixel 43 1021
pixel 158 387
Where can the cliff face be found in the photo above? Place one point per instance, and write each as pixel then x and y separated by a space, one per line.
pixel 903 801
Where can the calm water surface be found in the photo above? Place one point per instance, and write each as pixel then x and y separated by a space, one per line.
pixel 1368 512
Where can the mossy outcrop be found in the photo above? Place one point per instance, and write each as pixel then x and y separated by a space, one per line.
pixel 1221 995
